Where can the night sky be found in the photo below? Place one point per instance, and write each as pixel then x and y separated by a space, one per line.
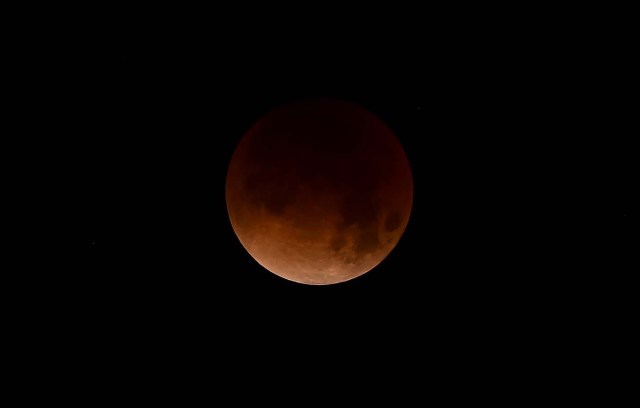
pixel 522 169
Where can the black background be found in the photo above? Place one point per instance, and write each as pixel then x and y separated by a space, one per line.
pixel 520 232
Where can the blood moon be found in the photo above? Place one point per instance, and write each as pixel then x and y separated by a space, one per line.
pixel 319 191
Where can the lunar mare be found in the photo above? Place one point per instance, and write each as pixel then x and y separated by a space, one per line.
pixel 319 191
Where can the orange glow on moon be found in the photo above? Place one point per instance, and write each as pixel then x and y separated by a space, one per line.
pixel 319 191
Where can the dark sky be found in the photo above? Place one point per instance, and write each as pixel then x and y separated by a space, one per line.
pixel 522 172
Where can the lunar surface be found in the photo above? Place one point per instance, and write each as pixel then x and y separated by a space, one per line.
pixel 319 191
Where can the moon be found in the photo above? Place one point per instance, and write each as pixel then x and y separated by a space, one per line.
pixel 319 191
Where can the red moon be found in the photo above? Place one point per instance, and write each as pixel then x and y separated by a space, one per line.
pixel 319 191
